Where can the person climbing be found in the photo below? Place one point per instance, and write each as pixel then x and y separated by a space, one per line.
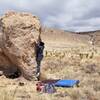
pixel 39 57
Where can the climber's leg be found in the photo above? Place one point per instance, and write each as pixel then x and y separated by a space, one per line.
pixel 38 70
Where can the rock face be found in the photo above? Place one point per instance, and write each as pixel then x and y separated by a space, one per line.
pixel 4 61
pixel 20 31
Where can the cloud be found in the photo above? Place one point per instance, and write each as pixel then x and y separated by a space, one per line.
pixel 73 15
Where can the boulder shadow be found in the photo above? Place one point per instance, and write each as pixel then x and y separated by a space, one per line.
pixel 10 72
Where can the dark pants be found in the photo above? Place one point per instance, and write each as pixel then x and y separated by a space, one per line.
pixel 38 66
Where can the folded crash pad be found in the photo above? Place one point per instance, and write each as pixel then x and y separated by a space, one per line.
pixel 66 83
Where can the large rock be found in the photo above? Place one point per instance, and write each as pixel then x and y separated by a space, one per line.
pixel 20 31
pixel 6 66
pixel 5 63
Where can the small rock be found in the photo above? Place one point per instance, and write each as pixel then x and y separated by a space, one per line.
pixel 1 73
pixel 21 84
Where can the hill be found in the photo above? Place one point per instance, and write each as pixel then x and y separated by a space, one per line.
pixel 60 38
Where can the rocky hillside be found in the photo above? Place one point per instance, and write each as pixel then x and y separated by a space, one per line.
pixel 94 36
pixel 70 45
pixel 56 37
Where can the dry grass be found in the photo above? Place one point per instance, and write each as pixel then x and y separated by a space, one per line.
pixel 71 63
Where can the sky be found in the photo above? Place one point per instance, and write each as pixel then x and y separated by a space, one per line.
pixel 71 15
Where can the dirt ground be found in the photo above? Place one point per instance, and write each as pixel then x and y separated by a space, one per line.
pixel 70 57
pixel 85 68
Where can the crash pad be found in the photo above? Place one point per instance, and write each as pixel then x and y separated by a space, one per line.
pixel 66 83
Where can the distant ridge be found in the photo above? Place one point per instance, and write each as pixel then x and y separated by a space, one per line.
pixel 51 35
pixel 88 32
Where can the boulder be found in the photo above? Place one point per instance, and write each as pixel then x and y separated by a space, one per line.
pixel 4 61
pixel 21 31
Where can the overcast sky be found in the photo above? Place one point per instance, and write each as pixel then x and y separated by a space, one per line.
pixel 72 15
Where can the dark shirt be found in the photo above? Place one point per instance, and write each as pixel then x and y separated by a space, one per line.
pixel 39 51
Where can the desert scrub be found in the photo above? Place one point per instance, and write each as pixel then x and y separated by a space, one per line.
pixel 90 68
pixel 54 53
pixel 96 86
pixel 76 94
pixel 90 95
pixel 88 55
pixel 54 65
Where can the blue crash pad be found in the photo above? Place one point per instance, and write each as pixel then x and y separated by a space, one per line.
pixel 66 83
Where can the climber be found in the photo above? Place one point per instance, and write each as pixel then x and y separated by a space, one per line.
pixel 39 57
